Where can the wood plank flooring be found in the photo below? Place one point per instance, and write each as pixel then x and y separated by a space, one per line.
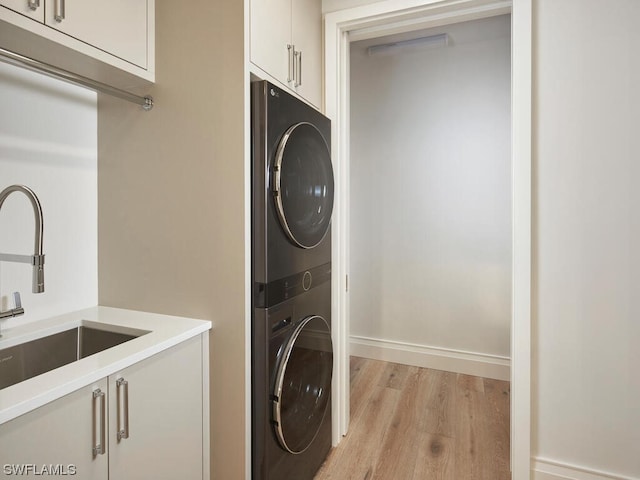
pixel 411 423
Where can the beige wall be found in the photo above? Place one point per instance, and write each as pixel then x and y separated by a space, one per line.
pixel 171 203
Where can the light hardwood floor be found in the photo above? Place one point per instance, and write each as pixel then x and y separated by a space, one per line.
pixel 411 423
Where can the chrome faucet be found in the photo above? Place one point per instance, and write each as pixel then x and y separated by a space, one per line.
pixel 37 259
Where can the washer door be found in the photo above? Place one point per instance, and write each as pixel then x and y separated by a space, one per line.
pixel 303 185
pixel 303 384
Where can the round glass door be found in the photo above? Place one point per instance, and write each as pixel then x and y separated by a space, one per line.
pixel 303 384
pixel 303 185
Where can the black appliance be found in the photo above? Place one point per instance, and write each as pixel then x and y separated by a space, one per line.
pixel 292 358
pixel 293 189
pixel 291 386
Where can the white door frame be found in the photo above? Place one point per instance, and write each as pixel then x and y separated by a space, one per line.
pixel 391 16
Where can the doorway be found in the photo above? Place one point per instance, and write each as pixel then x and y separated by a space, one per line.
pixel 430 198
pixel 368 21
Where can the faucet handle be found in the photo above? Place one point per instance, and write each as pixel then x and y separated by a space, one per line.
pixel 17 302
pixel 14 312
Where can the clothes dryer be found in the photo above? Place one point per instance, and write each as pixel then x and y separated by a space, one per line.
pixel 293 189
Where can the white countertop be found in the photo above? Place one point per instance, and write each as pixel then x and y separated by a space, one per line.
pixel 164 331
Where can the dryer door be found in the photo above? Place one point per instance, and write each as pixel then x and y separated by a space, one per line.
pixel 303 185
pixel 303 384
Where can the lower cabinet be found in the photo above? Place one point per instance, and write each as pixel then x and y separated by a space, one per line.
pixel 162 437
pixel 143 422
pixel 58 436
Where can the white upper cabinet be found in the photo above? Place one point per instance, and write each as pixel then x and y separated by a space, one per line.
pixel 286 43
pixel 30 8
pixel 107 40
pixel 306 29
pixel 270 36
pixel 115 26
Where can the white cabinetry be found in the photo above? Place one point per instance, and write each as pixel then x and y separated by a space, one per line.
pixel 160 411
pixel 165 417
pixel 115 26
pixel 59 435
pixel 83 36
pixel 29 8
pixel 286 43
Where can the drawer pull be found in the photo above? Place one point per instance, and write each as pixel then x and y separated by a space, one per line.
pixel 33 4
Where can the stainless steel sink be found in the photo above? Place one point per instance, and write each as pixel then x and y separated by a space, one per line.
pixel 26 360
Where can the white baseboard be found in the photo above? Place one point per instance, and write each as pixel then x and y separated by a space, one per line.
pixel 481 365
pixel 544 469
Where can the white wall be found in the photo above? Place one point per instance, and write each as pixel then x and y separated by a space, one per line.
pixel 586 319
pixel 431 193
pixel 48 141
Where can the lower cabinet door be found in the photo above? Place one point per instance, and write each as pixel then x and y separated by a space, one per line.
pixel 58 439
pixel 156 415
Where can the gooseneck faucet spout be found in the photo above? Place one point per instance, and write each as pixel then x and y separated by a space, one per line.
pixel 37 259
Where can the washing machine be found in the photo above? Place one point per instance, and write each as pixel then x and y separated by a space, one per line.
pixel 293 190
pixel 292 358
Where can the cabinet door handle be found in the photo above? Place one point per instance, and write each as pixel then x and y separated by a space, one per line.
pixel 290 63
pixel 58 10
pixel 295 68
pixel 33 4
pixel 122 392
pixel 99 423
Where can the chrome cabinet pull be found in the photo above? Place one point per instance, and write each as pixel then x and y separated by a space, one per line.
pixel 33 4
pixel 295 68
pixel 99 423
pixel 290 63
pixel 122 392
pixel 58 10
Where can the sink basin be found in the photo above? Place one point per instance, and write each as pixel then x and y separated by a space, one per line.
pixel 26 360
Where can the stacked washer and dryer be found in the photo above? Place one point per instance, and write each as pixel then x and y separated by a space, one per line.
pixel 292 357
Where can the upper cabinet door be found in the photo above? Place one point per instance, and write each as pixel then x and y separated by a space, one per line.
pixel 286 42
pixel 30 8
pixel 270 35
pixel 115 26
pixel 307 36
